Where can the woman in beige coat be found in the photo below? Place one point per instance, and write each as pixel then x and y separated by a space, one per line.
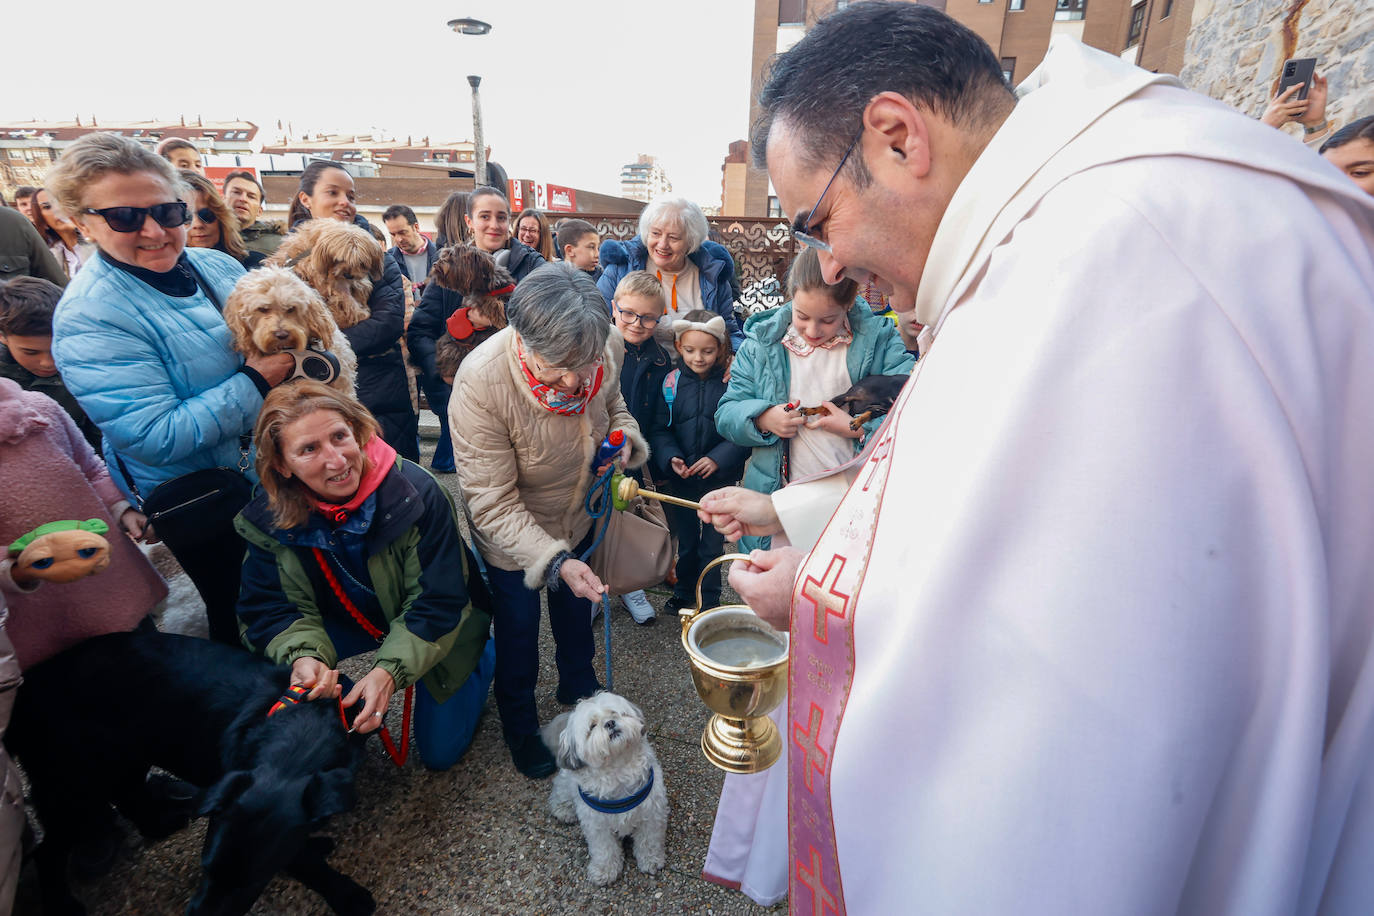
pixel 529 410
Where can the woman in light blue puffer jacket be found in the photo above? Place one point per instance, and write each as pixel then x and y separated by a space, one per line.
pixel 141 344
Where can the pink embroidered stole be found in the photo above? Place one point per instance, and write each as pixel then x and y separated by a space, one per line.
pixel 821 675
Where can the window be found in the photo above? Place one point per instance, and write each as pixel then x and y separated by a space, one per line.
pixel 1168 8
pixel 1069 9
pixel 791 12
pixel 1137 24
pixel 984 1
pixel 1016 6
pixel 1008 68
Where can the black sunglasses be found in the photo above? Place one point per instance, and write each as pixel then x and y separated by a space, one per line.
pixel 206 216
pixel 130 219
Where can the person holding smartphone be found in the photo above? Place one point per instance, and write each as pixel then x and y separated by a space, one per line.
pixel 1310 111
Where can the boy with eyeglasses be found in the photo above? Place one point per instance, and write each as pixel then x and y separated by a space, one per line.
pixel 636 309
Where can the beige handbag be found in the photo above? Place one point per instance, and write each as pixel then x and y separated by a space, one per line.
pixel 637 549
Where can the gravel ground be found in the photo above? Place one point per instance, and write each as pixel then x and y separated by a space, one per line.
pixel 478 838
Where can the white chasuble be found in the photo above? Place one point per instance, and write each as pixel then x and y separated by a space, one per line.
pixel 1092 630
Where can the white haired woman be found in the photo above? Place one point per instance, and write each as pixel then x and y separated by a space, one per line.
pixel 529 410
pixel 140 343
pixel 672 245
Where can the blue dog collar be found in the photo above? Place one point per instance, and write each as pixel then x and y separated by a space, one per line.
pixel 619 805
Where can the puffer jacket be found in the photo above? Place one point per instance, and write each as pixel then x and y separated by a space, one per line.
pixel 761 377
pixel 417 567
pixel 641 379
pixel 686 429
pixel 525 470
pixel 155 372
pixel 712 262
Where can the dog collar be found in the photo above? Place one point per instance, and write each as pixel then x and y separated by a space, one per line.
pixel 294 694
pixel 618 805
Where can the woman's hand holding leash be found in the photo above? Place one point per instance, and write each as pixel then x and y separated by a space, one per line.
pixel 322 680
pixel 621 459
pixel 375 690
pixel 579 577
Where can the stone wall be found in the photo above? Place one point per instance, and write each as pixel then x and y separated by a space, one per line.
pixel 1237 47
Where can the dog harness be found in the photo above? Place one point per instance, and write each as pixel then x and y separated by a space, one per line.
pixel 398 757
pixel 619 805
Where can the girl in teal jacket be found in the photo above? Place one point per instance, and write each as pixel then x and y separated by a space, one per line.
pixel 833 335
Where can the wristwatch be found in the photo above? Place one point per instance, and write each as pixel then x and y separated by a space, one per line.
pixel 1309 131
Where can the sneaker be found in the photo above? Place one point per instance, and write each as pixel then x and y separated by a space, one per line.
pixel 531 757
pixel 597 607
pixel 639 607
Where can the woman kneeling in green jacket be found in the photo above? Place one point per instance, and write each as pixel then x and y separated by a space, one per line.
pixel 350 549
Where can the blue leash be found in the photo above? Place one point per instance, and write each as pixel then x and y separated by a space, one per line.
pixel 598 505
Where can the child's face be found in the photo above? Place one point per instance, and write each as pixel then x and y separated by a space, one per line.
pixel 586 254
pixel 816 316
pixel 699 351
pixel 631 315
pixel 34 353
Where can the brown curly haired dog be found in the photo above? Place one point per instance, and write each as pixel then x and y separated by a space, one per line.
pixel 485 286
pixel 340 261
pixel 271 310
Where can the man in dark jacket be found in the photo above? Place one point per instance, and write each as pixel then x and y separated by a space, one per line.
pixel 413 253
pixel 245 196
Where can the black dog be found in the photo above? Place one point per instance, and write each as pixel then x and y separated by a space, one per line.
pixel 89 722
pixel 871 396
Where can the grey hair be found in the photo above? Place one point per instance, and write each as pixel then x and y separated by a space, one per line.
pixel 560 315
pixel 679 212
pixel 93 156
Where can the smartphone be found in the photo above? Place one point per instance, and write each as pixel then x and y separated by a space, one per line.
pixel 1297 70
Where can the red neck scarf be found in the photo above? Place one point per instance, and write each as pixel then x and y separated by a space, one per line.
pixel 381 458
pixel 555 401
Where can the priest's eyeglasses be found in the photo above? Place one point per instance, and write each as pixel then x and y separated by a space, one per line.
pixel 804 231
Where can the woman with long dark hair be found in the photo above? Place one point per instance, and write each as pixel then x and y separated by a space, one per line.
pixel 61 233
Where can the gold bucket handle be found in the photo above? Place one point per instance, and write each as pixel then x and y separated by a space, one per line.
pixel 690 614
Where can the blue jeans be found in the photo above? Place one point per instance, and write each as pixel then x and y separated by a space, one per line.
pixel 437 394
pixel 443 731
pixel 517 647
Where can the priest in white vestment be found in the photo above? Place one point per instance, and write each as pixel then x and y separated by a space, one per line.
pixel 1090 631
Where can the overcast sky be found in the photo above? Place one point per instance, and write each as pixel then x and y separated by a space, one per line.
pixel 570 90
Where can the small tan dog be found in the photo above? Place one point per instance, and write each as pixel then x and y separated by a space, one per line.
pixel 340 261
pixel 272 310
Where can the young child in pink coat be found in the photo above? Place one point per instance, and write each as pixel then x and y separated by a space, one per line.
pixel 47 473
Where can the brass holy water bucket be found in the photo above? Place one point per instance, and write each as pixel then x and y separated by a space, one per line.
pixel 739 666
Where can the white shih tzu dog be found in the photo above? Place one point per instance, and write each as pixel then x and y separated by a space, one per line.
pixel 609 781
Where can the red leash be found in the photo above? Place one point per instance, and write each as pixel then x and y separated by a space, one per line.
pixel 397 756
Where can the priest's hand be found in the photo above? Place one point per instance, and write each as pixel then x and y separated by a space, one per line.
pixel 765 583
pixel 735 511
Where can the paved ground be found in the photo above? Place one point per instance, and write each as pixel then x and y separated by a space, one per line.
pixel 479 838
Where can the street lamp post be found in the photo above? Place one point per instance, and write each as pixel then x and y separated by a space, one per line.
pixel 469 26
pixel 479 154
